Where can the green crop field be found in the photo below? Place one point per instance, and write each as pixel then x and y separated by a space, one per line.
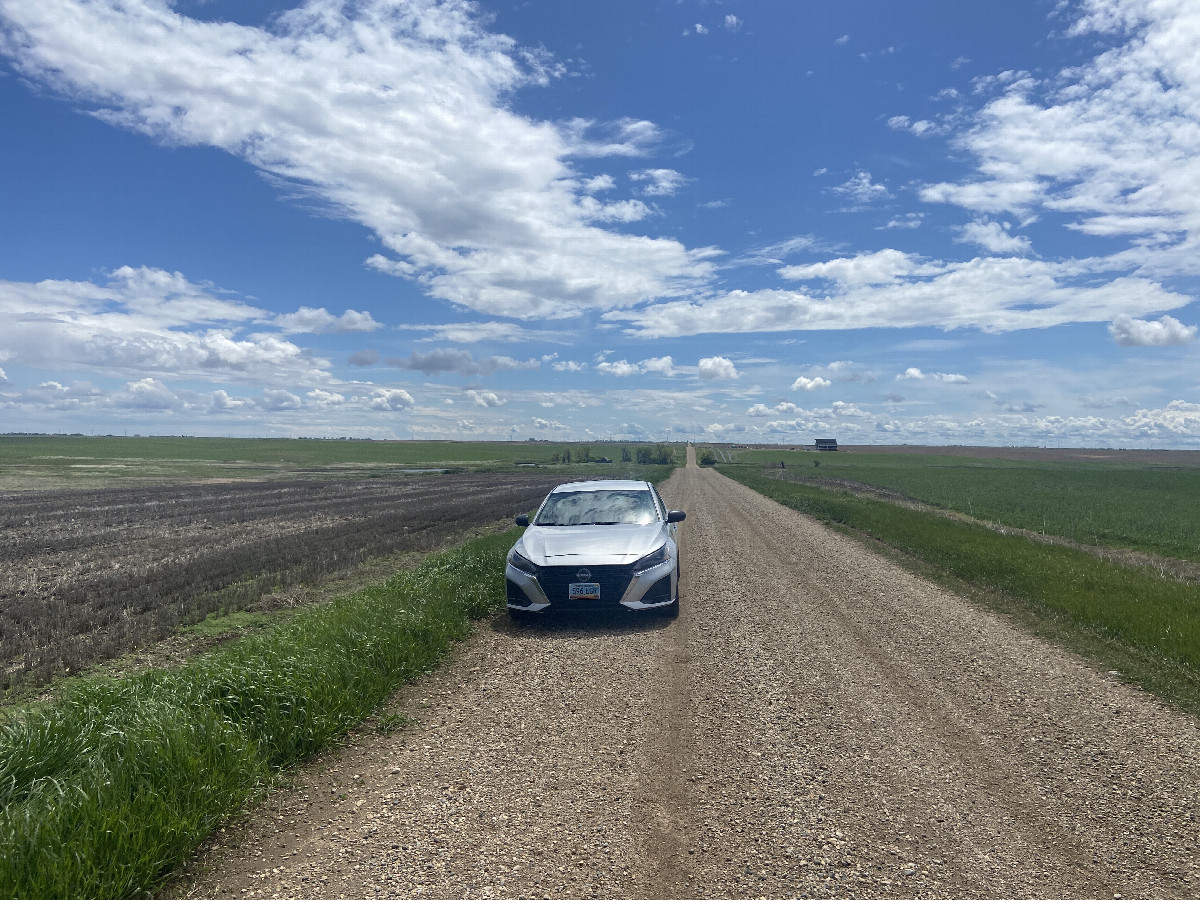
pixel 1144 507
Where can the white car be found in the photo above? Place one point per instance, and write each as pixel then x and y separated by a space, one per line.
pixel 596 545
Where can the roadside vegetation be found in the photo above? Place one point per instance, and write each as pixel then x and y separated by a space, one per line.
pixel 1132 619
pixel 106 789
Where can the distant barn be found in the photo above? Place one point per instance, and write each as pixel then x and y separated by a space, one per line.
pixel 826 443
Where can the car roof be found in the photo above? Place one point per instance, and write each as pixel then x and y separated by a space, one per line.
pixel 602 485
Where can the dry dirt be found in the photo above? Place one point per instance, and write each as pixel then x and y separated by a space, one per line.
pixel 816 723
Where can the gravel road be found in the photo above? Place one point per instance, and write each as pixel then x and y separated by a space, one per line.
pixel 816 723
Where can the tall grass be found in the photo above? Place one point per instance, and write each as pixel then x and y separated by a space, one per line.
pixel 1097 606
pixel 107 789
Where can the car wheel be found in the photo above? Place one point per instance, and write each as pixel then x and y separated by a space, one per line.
pixel 672 611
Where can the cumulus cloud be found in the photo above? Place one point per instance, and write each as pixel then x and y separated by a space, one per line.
pixel 485 398
pixel 862 190
pixel 390 400
pixel 364 358
pixel 1130 332
pixel 804 383
pixel 712 367
pixel 915 374
pixel 326 398
pixel 320 321
pixel 660 365
pixel 277 400
pixel 148 321
pixel 475 202
pixel 733 23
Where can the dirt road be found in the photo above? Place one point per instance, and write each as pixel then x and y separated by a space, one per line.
pixel 817 723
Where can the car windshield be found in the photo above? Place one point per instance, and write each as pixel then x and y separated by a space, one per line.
pixel 597 508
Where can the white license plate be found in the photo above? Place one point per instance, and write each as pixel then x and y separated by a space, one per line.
pixel 581 591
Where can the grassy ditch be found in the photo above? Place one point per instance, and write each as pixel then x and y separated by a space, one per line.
pixel 107 789
pixel 1123 618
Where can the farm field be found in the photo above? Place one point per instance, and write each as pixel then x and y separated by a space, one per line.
pixel 29 462
pixel 1140 500
pixel 87 575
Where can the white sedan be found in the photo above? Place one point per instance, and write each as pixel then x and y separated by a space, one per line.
pixel 596 545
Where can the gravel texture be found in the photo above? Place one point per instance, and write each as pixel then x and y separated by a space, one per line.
pixel 816 723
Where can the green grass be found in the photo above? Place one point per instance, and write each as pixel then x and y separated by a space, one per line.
pixel 1145 626
pixel 105 790
pixel 1139 507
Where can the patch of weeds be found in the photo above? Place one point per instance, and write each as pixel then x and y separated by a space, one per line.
pixel 222 624
pixel 389 723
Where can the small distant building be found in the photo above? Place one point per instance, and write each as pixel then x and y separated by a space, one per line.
pixel 825 444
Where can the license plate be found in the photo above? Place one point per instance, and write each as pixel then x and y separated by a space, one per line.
pixel 580 591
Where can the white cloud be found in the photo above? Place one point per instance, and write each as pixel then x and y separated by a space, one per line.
pixel 804 383
pixel 893 290
pixel 1114 142
pixel 717 367
pixel 659 182
pixel 993 237
pixel 700 29
pixel 862 190
pixel 733 23
pixel 3 376
pixel 660 365
pixel 1178 418
pixel 146 394
pixel 326 398
pixel 915 374
pixel 843 40
pixel 621 368
pixel 276 400
pixel 394 115
pixel 1130 332
pixel 148 321
pixel 391 400
pixel 320 321
pixel 485 398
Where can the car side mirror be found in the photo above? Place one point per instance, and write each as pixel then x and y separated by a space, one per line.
pixel 676 515
pixel 522 520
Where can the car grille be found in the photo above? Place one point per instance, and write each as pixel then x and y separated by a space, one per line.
pixel 556 581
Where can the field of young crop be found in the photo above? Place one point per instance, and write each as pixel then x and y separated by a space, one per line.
pixel 1132 503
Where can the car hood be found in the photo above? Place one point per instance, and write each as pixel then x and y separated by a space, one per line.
pixel 591 544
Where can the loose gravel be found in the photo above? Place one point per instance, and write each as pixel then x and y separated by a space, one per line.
pixel 816 723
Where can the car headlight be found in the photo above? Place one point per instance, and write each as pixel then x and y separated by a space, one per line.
pixel 650 560
pixel 520 563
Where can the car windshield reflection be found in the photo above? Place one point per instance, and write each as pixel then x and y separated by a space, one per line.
pixel 598 508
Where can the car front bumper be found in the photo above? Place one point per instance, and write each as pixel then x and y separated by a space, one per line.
pixel 651 588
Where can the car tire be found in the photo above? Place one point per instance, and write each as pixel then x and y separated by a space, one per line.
pixel 672 611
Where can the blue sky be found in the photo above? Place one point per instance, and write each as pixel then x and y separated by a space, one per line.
pixel 933 222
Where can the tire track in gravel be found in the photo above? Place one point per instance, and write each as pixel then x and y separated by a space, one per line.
pixel 817 723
